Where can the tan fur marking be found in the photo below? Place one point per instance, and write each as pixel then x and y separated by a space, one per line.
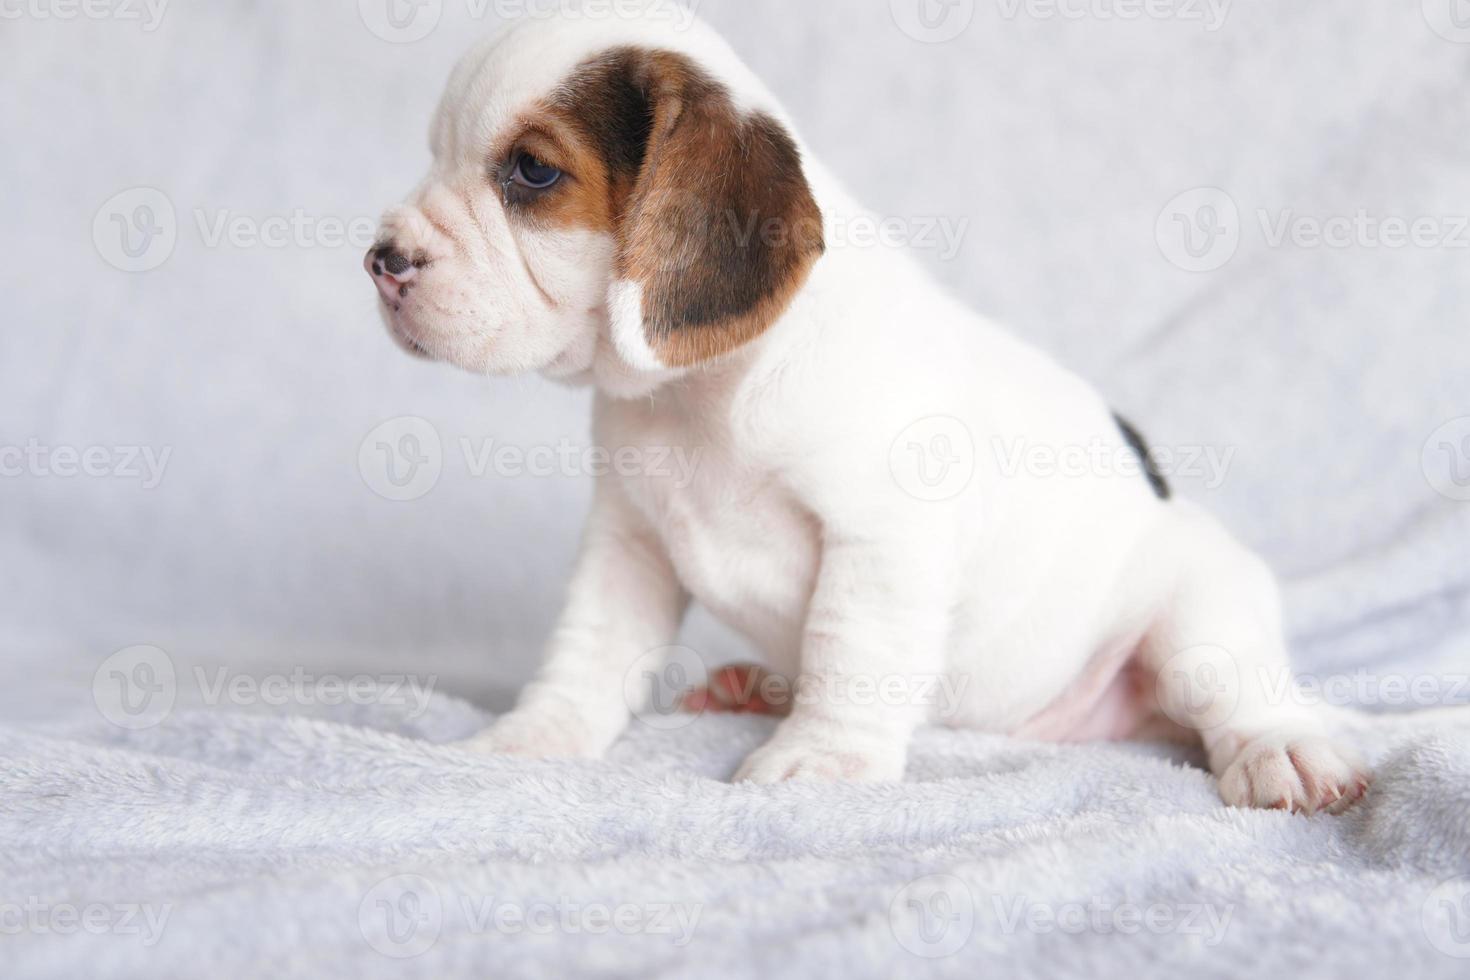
pixel 713 215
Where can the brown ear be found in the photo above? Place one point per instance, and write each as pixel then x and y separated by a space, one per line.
pixel 716 225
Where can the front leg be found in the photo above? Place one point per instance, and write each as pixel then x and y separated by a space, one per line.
pixel 874 634
pixel 624 600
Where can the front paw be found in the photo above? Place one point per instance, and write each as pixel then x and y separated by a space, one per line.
pixel 824 754
pixel 536 734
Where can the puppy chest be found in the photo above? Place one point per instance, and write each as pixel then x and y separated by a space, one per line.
pixel 741 545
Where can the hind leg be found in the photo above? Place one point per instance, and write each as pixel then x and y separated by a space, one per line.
pixel 1217 652
pixel 742 689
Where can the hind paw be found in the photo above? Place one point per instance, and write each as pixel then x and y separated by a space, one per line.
pixel 1302 774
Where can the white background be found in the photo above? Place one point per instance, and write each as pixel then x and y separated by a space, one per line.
pixel 1059 140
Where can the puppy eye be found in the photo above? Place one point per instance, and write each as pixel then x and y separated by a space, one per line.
pixel 531 172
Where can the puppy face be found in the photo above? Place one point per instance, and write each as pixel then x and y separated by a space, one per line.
pixel 602 202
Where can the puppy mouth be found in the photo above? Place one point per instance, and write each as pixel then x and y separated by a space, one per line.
pixel 404 337
pixel 395 276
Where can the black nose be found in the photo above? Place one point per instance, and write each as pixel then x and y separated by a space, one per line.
pixel 392 272
pixel 388 259
pixel 394 261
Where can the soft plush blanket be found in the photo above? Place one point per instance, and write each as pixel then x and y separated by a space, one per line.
pixel 360 845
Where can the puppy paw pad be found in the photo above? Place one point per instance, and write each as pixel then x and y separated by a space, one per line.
pixel 1302 774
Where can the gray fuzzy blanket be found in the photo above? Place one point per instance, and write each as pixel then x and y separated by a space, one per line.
pixel 362 846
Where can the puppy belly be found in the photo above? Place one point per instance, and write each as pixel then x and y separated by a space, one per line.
pixel 1110 700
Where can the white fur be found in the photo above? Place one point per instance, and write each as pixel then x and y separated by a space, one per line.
pixel 1034 589
pixel 625 323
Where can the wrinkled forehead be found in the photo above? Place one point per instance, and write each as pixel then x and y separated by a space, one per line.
pixel 523 65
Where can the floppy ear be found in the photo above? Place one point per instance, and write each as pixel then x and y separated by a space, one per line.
pixel 716 225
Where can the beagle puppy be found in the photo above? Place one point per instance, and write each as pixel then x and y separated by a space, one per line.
pixel 623 204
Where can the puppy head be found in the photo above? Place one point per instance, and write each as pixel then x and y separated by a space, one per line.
pixel 607 202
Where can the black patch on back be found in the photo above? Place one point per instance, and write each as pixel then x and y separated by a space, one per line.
pixel 1138 445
